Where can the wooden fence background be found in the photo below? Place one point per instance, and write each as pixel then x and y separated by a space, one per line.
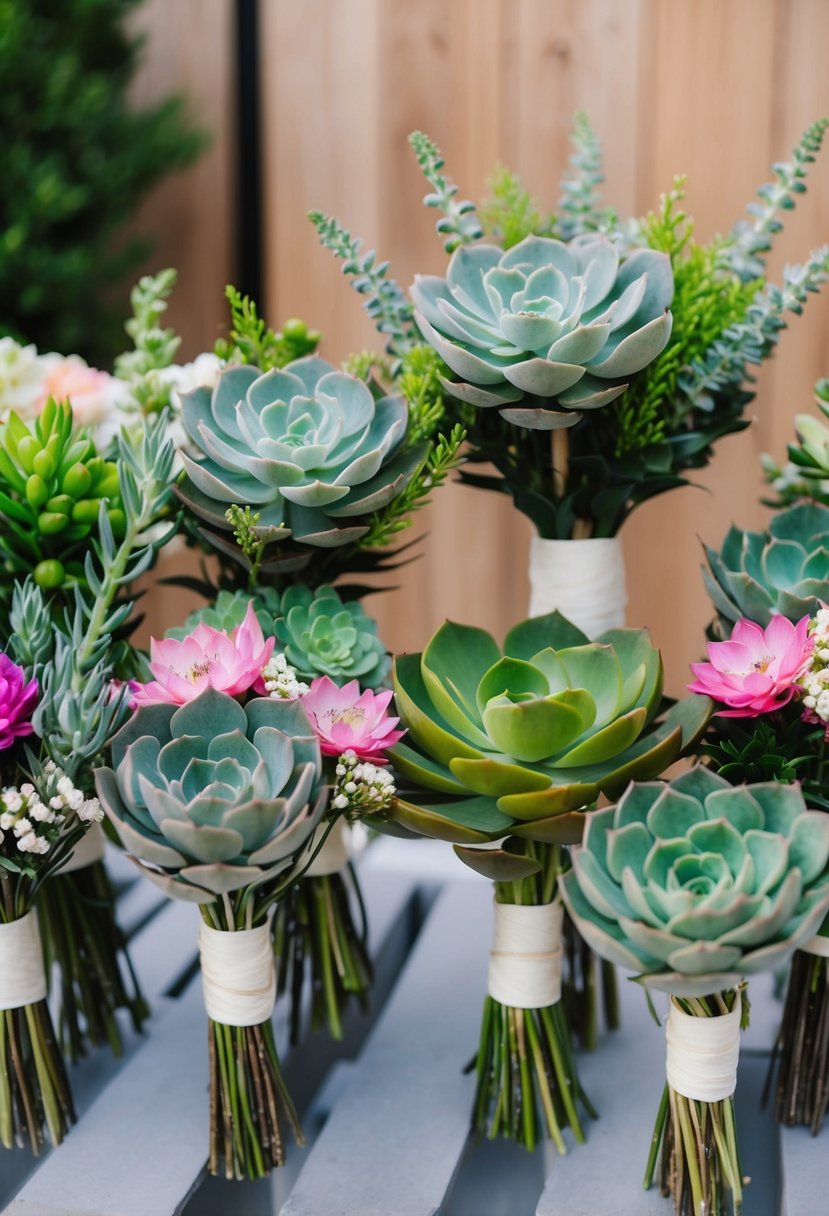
pixel 716 89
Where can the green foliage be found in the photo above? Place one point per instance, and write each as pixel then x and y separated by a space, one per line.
pixel 781 747
pixel 750 241
pixel 420 383
pixel 77 159
pixel 459 224
pixel 250 540
pixel 807 473
pixel 580 207
pixel 385 302
pixel 510 213
pixel 154 346
pixel 252 341
pixel 396 517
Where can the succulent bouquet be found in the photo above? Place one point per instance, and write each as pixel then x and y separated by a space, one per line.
pixel 59 709
pixel 512 746
pixel 628 340
pixel 770 679
pixel 694 885
pixel 320 643
pixel 220 791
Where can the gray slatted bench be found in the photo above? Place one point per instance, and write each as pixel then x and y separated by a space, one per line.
pixel 386 1112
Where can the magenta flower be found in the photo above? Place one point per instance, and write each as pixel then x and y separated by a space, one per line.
pixel 17 702
pixel 755 671
pixel 344 718
pixel 207 658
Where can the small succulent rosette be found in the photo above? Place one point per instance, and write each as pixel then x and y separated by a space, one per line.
pixel 217 804
pixel 43 820
pixel 695 885
pixel 511 746
pixel 309 645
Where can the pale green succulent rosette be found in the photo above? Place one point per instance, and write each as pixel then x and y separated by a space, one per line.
pixel 217 803
pixel 306 446
pixel 695 885
pixel 546 323
pixel 784 569
pixel 511 746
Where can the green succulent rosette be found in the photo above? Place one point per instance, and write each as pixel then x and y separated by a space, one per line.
pixel 517 740
pixel 784 569
pixel 695 884
pixel 213 797
pixel 319 633
pixel 308 447
pixel 546 322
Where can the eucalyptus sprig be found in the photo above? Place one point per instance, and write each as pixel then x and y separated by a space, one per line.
pixel 579 209
pixel 385 302
pixel 154 346
pixel 459 224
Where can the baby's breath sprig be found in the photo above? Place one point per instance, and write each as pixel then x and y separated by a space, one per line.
pixel 361 788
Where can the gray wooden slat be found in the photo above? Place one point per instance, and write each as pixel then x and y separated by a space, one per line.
pixel 624 1079
pixel 140 1149
pixel 805 1169
pixel 394 1140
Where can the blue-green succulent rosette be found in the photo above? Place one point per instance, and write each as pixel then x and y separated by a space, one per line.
pixel 696 885
pixel 307 447
pixel 510 745
pixel 546 323
pixel 217 804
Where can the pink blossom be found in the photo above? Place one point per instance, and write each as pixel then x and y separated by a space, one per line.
pixel 345 718
pixel 207 658
pixel 17 702
pixel 755 671
pixel 90 391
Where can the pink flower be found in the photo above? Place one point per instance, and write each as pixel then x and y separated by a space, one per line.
pixel 754 672
pixel 207 658
pixel 346 718
pixel 90 391
pixel 17 702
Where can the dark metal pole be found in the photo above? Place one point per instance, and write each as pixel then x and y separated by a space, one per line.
pixel 248 217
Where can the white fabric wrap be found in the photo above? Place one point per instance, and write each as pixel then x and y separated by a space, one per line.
pixel 22 972
pixel 816 945
pixel 583 579
pixel 238 974
pixel 525 960
pixel 703 1053
pixel 88 850
pixel 334 854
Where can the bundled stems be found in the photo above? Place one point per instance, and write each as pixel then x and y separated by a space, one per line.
pixel 249 1102
pixel 694 1144
pixel 527 1083
pixel 316 934
pixel 81 934
pixel 802 1054
pixel 588 984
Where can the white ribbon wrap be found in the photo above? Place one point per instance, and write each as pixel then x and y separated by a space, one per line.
pixel 525 960
pixel 583 579
pixel 22 973
pixel 334 854
pixel 88 850
pixel 702 1054
pixel 238 974
pixel 816 945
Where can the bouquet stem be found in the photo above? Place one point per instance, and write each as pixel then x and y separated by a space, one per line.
pixel 587 983
pixel 248 1101
pixel 802 1056
pixel 694 1143
pixel 81 934
pixel 34 1089
pixel 527 1082
pixel 316 933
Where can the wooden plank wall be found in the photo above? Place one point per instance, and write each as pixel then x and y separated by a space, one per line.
pixel 713 88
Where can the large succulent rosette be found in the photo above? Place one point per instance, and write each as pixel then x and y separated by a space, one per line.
pixel 694 885
pixel 546 323
pixel 217 803
pixel 307 447
pixel 511 745
pixel 782 570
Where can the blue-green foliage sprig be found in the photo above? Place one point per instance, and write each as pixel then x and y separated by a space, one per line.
pixel 459 223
